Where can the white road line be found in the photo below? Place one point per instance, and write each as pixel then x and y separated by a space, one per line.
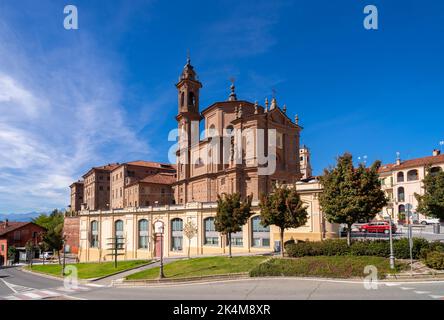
pixel 391 284
pixel 405 288
pixel 32 295
pixel 50 293
pixel 436 297
pixel 421 292
pixel 12 298
pixel 95 285
pixel 9 285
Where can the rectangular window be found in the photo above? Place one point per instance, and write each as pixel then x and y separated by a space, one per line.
pixel 3 247
pixel 17 235
pixel 176 243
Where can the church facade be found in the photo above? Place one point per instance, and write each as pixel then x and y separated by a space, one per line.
pixel 246 148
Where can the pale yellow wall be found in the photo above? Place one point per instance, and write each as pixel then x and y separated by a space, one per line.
pixel 197 212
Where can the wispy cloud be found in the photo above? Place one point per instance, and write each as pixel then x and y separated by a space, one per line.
pixel 61 113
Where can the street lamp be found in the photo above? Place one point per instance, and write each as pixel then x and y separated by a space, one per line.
pixel 392 256
pixel 159 229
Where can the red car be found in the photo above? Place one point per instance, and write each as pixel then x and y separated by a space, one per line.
pixel 378 226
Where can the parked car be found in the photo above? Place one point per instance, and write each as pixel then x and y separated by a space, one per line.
pixel 46 255
pixel 426 221
pixel 378 227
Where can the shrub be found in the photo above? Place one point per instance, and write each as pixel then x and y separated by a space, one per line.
pixel 435 260
pixel 380 248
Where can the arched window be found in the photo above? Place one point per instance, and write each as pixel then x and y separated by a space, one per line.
pixel 401 208
pixel 400 177
pixel 212 131
pixel 412 175
pixel 229 130
pixel 401 194
pixel 143 234
pixel 191 99
pixel 260 234
pixel 176 234
pixel 211 235
pixel 182 99
pixel 118 234
pixel 94 234
pixel 435 170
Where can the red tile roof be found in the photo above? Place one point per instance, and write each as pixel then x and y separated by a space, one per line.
pixel 424 161
pixel 151 164
pixel 159 178
pixel 11 227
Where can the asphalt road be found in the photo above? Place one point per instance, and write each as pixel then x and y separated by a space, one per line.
pixel 29 286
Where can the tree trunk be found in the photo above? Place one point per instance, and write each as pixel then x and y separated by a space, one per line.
pixel 349 234
pixel 189 244
pixel 282 242
pixel 229 244
pixel 58 255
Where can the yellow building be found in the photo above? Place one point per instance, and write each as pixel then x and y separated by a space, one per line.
pixel 136 235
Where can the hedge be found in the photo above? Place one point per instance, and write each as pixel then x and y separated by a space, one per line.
pixel 435 260
pixel 379 248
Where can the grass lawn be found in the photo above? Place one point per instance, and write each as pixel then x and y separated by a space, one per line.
pixel 89 270
pixel 324 266
pixel 201 267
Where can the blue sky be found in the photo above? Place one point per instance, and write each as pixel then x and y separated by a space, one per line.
pixel 105 93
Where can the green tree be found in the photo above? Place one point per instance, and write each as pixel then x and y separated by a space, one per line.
pixel 53 223
pixel 12 252
pixel 351 194
pixel 431 203
pixel 232 214
pixel 284 209
pixel 190 231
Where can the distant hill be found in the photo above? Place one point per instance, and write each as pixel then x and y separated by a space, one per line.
pixel 21 217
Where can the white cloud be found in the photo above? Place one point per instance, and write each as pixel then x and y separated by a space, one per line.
pixel 60 114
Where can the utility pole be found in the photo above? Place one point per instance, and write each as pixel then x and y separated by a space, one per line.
pixel 392 256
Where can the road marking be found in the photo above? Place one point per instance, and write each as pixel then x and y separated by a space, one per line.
pixel 391 284
pixel 436 297
pixel 15 287
pixel 49 293
pixel 405 288
pixel 421 292
pixel 12 298
pixel 95 285
pixel 32 295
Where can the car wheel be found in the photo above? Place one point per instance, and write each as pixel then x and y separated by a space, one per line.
pixel 424 223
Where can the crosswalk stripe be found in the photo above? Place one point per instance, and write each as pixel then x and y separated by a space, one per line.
pixel 390 284
pixel 422 292
pixel 12 298
pixel 405 288
pixel 31 295
pixel 436 297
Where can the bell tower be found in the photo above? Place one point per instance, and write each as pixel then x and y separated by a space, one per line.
pixel 188 119
pixel 188 90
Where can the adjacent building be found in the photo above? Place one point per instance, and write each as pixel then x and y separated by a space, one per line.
pixel 97 186
pixel 305 165
pixel 125 176
pixel 402 179
pixel 17 234
pixel 76 195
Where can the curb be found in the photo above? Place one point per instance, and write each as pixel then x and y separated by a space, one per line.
pixel 199 279
pixel 82 281
pixel 119 272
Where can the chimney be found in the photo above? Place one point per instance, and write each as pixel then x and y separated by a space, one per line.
pixel 6 224
pixel 436 152
pixel 398 158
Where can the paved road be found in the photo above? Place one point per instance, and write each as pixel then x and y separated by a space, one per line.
pixel 17 285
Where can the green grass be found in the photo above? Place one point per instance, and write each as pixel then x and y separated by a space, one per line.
pixel 324 266
pixel 201 267
pixel 89 270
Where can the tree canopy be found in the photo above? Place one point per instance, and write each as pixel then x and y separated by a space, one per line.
pixel 284 209
pixel 232 214
pixel 351 194
pixel 431 203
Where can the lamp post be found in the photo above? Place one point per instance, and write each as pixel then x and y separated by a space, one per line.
pixel 159 228
pixel 392 256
